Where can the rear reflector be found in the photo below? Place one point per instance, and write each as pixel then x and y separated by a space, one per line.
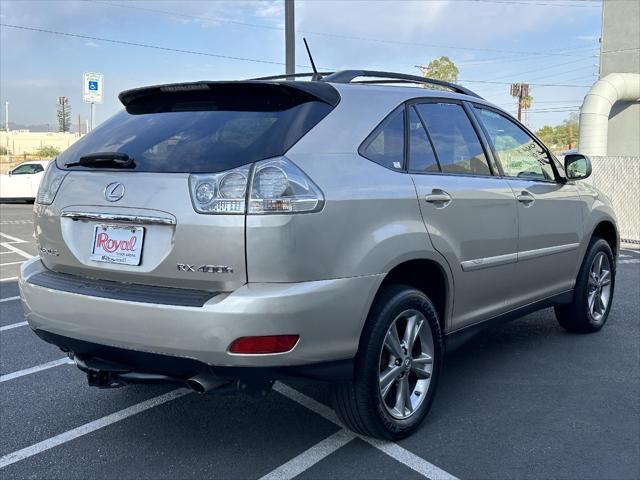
pixel 262 345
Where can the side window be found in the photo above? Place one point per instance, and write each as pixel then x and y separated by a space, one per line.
pixel 421 155
pixel 385 145
pixel 520 155
pixel 23 170
pixel 456 143
pixel 37 168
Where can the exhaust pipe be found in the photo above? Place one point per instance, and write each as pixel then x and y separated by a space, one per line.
pixel 204 383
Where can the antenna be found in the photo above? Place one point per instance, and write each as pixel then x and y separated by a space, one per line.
pixel 316 75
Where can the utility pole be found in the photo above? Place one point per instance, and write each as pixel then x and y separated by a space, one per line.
pixel 289 38
pixel 6 116
pixel 79 124
pixel 521 92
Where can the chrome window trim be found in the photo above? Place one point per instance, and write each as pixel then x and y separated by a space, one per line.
pixel 108 217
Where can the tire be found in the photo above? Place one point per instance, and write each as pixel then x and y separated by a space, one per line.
pixel 581 315
pixel 360 403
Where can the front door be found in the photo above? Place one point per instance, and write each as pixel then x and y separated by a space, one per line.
pixel 470 213
pixel 549 215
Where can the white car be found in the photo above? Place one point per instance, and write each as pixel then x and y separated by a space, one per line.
pixel 23 181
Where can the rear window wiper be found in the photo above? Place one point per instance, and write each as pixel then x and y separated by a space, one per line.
pixel 106 159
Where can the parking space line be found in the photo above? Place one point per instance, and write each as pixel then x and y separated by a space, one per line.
pixel 9 299
pixel 11 263
pixel 37 368
pixel 13 239
pixel 392 449
pixel 90 427
pixel 16 250
pixel 310 457
pixel 8 279
pixel 13 325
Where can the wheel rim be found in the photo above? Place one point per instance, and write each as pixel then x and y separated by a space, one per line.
pixel 406 364
pixel 599 287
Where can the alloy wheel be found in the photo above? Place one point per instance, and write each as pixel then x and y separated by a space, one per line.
pixel 599 287
pixel 406 364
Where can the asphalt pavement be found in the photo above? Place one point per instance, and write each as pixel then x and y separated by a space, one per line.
pixel 522 400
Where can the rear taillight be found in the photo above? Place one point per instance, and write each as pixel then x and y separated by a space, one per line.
pixel 279 186
pixel 263 345
pixel 220 192
pixel 50 184
pixel 276 186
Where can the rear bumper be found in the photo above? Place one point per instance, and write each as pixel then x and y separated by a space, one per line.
pixel 328 315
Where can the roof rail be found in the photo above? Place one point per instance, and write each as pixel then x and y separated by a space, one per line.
pixel 292 75
pixel 347 76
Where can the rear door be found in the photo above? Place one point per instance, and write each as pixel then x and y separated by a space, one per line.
pixel 470 213
pixel 125 210
pixel 549 215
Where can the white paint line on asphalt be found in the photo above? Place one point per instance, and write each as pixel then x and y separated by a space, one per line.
pixel 16 250
pixel 13 239
pixel 11 263
pixel 37 368
pixel 15 222
pixel 628 261
pixel 311 456
pixel 8 299
pixel 394 450
pixel 12 326
pixel 90 427
pixel 8 279
pixel 4 253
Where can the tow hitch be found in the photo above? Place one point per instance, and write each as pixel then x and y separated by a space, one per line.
pixel 103 379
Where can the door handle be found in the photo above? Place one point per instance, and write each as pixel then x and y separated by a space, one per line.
pixel 526 198
pixel 439 198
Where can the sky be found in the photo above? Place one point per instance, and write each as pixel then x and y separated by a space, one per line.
pixel 551 44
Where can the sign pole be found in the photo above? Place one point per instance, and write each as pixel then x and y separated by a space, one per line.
pixel 92 93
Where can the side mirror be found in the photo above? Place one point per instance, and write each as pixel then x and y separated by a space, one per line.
pixel 10 172
pixel 577 166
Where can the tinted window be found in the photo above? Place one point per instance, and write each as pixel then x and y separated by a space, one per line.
pixel 454 139
pixel 520 155
pixel 386 144
pixel 198 138
pixel 26 169
pixel 421 156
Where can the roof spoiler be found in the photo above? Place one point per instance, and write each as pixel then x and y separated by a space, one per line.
pixel 250 95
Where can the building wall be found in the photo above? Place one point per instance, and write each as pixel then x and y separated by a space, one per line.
pixel 619 54
pixel 20 142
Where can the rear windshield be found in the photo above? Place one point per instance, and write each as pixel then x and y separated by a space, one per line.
pixel 199 138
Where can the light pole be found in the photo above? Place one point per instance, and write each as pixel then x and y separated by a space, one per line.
pixel 289 38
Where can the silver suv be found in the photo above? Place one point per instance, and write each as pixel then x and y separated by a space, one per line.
pixel 223 235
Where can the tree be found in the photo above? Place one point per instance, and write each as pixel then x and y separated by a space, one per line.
pixel 47 151
pixel 563 136
pixel 64 115
pixel 547 135
pixel 441 68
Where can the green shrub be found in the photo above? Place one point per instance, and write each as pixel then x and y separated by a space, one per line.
pixel 47 151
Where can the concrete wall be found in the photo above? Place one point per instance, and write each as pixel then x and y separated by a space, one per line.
pixel 19 142
pixel 619 54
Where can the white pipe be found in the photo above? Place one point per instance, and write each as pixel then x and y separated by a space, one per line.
pixel 597 105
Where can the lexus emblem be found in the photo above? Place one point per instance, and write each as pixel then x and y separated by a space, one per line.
pixel 114 191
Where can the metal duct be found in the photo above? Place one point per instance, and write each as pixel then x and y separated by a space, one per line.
pixel 596 107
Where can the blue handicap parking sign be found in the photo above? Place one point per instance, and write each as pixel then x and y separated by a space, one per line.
pixel 93 85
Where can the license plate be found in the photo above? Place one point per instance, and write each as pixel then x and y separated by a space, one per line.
pixel 117 244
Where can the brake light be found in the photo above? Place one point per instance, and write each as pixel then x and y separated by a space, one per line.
pixel 50 184
pixel 276 186
pixel 263 345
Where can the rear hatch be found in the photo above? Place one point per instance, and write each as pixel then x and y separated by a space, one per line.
pixel 124 210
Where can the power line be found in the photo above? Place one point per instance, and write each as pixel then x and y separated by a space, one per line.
pixel 335 35
pixel 533 84
pixel 145 45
